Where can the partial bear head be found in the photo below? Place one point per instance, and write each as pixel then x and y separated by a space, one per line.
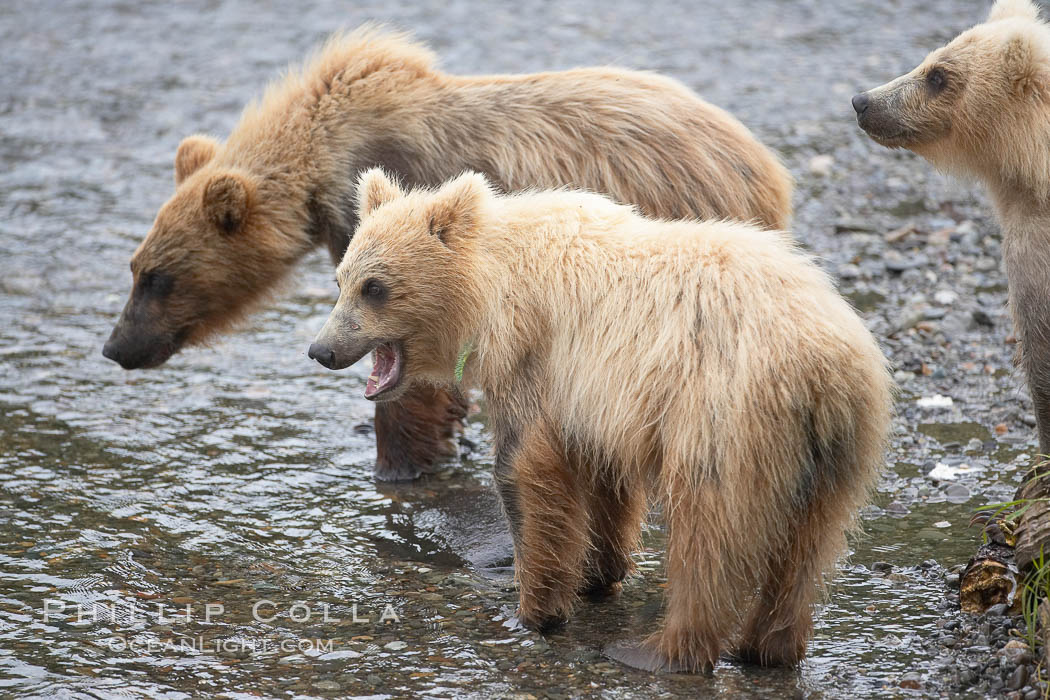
pixel 405 283
pixel 971 105
pixel 215 247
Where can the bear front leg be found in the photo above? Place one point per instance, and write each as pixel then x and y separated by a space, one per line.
pixel 415 432
pixel 549 521
pixel 617 509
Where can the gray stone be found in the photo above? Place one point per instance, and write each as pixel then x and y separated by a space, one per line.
pixel 1018 678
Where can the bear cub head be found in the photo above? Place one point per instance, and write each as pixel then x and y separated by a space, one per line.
pixel 970 103
pixel 407 291
pixel 210 253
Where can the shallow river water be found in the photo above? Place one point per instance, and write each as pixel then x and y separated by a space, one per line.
pixel 144 515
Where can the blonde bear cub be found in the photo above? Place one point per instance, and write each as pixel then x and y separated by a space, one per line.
pixel 710 367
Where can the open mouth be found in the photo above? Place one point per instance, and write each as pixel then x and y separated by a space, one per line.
pixel 387 360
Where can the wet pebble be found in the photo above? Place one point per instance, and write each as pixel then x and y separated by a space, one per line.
pixel 821 165
pixel 1016 652
pixel 327 686
pixel 1018 678
pixel 957 493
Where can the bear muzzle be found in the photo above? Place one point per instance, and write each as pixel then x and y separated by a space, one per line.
pixel 138 353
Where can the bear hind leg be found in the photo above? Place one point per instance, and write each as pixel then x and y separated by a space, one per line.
pixel 781 620
pixel 702 594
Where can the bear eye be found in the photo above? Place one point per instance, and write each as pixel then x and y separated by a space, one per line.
pixel 373 289
pixel 936 80
pixel 156 283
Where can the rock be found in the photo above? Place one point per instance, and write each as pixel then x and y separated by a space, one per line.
pixel 846 224
pixel 899 263
pixel 965 228
pixel 328 686
pixel 997 610
pixel 1016 652
pixel 821 165
pixel 952 580
pixel 957 493
pixel 934 313
pixel 907 318
pixel 912 681
pixel 901 233
pixel 849 271
pixel 981 318
pixel 986 264
pixel 935 401
pixel 1018 678
pixel 945 297
pixel 882 567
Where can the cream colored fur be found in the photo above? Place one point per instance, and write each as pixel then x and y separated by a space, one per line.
pixel 712 364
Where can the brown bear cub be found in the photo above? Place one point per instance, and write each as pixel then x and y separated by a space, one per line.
pixel 246 211
pixel 980 107
pixel 710 366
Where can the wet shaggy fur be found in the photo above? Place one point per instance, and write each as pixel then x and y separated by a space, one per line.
pixel 980 107
pixel 245 211
pixel 709 366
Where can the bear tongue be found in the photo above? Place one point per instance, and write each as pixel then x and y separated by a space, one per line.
pixel 386 370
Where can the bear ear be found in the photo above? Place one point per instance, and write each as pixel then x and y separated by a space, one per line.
pixel 193 152
pixel 375 188
pixel 227 201
pixel 1022 65
pixel 457 206
pixel 1005 9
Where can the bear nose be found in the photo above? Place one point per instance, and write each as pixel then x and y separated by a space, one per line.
pixel 323 354
pixel 111 351
pixel 861 102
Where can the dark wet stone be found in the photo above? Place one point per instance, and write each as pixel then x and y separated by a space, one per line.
pixel 1018 678
pixel 952 580
pixel 997 610
pixel 981 318
pixel 882 567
